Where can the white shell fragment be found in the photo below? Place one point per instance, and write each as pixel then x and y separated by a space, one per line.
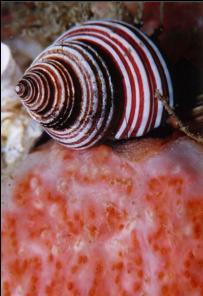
pixel 18 131
pixel 10 73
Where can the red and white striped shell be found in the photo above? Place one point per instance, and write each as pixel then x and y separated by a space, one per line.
pixel 97 81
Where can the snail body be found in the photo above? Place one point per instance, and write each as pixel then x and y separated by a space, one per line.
pixel 97 81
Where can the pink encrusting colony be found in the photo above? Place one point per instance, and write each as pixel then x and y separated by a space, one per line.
pixel 95 223
pixel 97 81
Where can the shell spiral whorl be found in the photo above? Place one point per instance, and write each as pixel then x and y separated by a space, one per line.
pixel 97 81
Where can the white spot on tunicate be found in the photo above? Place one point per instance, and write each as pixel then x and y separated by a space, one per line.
pixel 34 183
pixel 84 170
pixel 113 245
pixel 18 291
pixel 62 186
pixel 53 210
pixel 94 171
pixel 176 170
pixel 130 226
pixel 187 230
pixel 180 210
pixel 44 234
pixel 35 186
pixel 54 251
pixel 38 204
pixel 149 216
pixel 21 250
pixel 78 245
pixel 37 191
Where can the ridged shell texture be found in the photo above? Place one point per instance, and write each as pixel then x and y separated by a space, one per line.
pixel 97 81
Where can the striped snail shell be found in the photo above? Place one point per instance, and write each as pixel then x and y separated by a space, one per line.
pixel 97 81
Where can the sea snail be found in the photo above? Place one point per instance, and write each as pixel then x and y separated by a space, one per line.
pixel 97 81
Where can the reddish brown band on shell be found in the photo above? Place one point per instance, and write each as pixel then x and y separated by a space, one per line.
pixel 97 81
